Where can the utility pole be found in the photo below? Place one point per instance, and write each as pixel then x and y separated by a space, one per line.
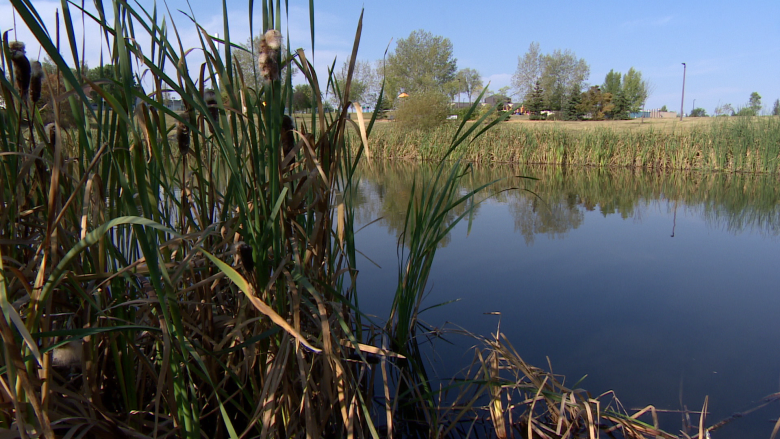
pixel 693 107
pixel 683 93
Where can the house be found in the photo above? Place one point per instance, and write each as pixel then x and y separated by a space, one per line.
pixel 497 99
pixel 174 104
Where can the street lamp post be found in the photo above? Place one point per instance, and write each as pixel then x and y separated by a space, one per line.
pixel 682 103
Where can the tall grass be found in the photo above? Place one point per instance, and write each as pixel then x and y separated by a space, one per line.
pixel 200 279
pixel 737 144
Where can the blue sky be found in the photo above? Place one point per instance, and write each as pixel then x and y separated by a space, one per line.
pixel 731 48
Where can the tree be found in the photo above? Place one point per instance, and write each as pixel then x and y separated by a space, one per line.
pixel 572 109
pixel 364 87
pixel 562 70
pixel 776 108
pixel 557 72
pixel 724 110
pixel 635 90
pixel 536 101
pixel 612 82
pixel 620 106
pixel 698 112
pixel 664 109
pixel 755 102
pixel 596 103
pixel 529 70
pixel 469 81
pixel 422 110
pixel 302 97
pixel 421 62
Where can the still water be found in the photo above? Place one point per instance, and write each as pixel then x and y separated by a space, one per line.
pixel 664 287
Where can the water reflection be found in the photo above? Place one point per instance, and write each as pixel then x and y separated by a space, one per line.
pixel 605 291
pixel 555 203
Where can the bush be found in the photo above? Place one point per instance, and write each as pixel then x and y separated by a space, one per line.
pixel 422 110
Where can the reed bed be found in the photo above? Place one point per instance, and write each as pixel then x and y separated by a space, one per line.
pixel 736 144
pixel 200 280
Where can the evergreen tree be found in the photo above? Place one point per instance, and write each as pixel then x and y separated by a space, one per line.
pixel 620 106
pixel 572 110
pixel 536 101
pixel 776 108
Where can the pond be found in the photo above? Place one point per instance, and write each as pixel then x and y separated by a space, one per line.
pixel 664 287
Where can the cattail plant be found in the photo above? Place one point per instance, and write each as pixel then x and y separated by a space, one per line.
pixel 270 43
pixel 211 103
pixel 183 136
pixel 21 67
pixel 36 80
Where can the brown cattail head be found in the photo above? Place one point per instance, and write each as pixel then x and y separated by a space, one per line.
pixel 270 70
pixel 270 43
pixel 288 138
pixel 183 136
pixel 211 103
pixel 245 254
pixel 36 79
pixel 21 67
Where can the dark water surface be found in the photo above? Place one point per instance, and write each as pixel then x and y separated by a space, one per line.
pixel 589 275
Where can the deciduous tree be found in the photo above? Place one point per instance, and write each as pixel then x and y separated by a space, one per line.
pixel 421 62
pixel 562 70
pixel 596 103
pixel 698 112
pixel 755 102
pixel 529 70
pixel 469 81
pixel 612 82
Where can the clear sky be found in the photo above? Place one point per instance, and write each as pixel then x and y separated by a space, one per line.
pixel 731 48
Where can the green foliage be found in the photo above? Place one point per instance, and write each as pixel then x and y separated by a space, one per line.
pixel 664 109
pixel 423 110
pixel 573 110
pixel 529 71
pixel 612 82
pixel 536 102
pixel 557 72
pixel 469 81
pixel 746 112
pixel 302 97
pixel 724 110
pixel 422 62
pixel 698 112
pixel 755 102
pixel 776 108
pixel 633 89
pixel 596 103
pixel 620 107
pixel 364 87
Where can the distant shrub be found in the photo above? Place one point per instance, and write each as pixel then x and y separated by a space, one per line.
pixel 422 110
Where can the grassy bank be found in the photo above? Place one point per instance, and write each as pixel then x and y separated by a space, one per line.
pixel 737 144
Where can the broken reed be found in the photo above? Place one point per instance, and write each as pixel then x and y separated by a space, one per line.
pixel 735 144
